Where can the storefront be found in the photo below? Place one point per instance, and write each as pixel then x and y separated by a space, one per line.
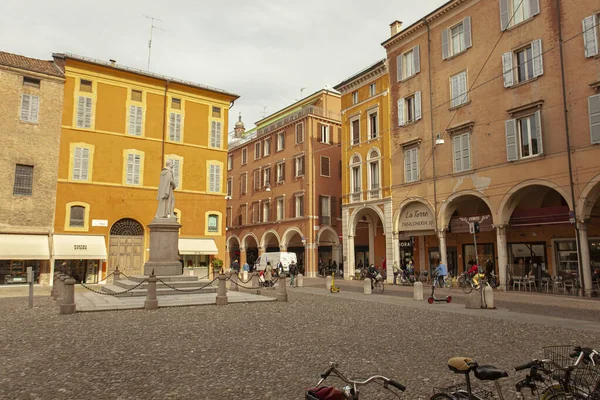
pixel 80 256
pixel 18 252
pixel 197 252
pixel 528 258
pixel 485 254
pixel 416 223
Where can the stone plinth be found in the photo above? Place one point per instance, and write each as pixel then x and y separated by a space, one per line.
pixel 418 291
pixel 164 248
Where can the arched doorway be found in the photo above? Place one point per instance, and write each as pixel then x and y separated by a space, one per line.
pixel 589 234
pixel 328 243
pixel 294 242
pixel 233 249
pixel 250 246
pixel 126 247
pixel 270 241
pixel 366 241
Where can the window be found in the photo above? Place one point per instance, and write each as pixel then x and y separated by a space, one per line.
pixel 244 156
pixel 299 205
pixel 458 89
pixel 280 209
pixel 229 162
pixel 594 111
pixel 77 217
pixel 85 86
pixel 354 97
pixel 355 131
pixel 216 112
pixel 266 177
pixel 373 174
pixel 267 147
pixel 244 183
pixel 409 109
pixel 524 137
pixel 30 107
pixel 355 178
pixel 228 217
pixel 257 150
pixel 133 169
pixel 325 212
pixel 300 132
pixel 84 112
pixel 372 89
pixel 214 178
pixel 256 179
pixel 23 185
pixel 81 163
pixel 136 95
pixel 325 167
pixel 135 120
pixel 280 141
pixel 266 211
pixel 176 104
pixel 591 33
pixel 177 165
pixel 230 187
pixel 280 172
pixel 299 166
pixel 325 136
pixel 411 165
pixel 243 216
pixel 408 64
pixel 513 12
pixel 356 187
pixel 373 124
pixel 462 152
pixel 215 134
pixel 33 82
pixel 175 127
pixel 255 213
pixel 213 223
pixel 456 39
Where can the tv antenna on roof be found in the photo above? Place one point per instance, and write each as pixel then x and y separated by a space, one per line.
pixel 152 28
pixel 264 111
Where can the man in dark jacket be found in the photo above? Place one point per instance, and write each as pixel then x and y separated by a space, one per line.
pixel 293 273
pixel 236 267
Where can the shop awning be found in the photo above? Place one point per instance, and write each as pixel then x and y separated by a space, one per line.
pixel 24 247
pixel 79 247
pixel 197 246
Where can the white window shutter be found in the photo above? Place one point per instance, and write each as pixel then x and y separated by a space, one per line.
pixel 217 178
pixel 415 164
pixel 85 163
pixel 172 127
pixel 77 164
pixel 594 111
pixel 25 107
pixel 538 64
pixel 512 145
pixel 139 120
pixel 463 89
pixel 445 44
pixel 504 15
pixel 132 118
pixel 35 108
pixel 129 172
pixel 407 166
pixel 136 169
pixel 80 112
pixel 456 144
pixel 417 106
pixel 454 91
pixel 178 124
pixel 534 7
pixel 399 68
pixel 211 178
pixel 467 32
pixel 213 134
pixel 466 152
pixel 400 112
pixel 176 171
pixel 507 69
pixel 218 135
pixel 590 39
pixel 538 130
pixel 416 60
pixel 88 112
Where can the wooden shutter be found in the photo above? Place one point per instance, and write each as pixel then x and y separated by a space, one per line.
pixel 132 114
pixel 25 107
pixel 415 164
pixel 302 165
pixel 466 151
pixel 88 113
pixel 35 108
pixel 538 64
pixel 218 134
pixel 341 170
pixel 457 145
pixel 81 112
pixel 594 111
pixel 538 130
pixel 407 166
pixel 321 216
pixel 84 164
pixel 77 164
pixel 534 7
pixel 512 150
pixel 445 44
pixel 213 134
pixel 399 68
pixel 172 127
pixel 325 170
pixel 454 98
pixel 416 60
pixel 176 171
pixel 467 32
pixel 462 88
pixel 417 106
pixel 139 120
pixel 400 112
pixel 320 132
pixel 504 15
pixel 590 40
pixel 507 67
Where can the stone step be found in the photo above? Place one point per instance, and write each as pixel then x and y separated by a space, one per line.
pixel 160 291
pixel 127 284
pixel 171 278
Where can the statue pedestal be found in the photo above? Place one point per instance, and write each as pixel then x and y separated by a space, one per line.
pixel 164 248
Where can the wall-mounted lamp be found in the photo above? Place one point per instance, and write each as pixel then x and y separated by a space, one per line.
pixel 439 139
pixel 268 187
pixel 227 197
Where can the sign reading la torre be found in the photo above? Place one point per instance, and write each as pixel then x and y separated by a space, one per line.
pixel 416 217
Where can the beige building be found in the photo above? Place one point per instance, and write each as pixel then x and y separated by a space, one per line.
pixel 283 184
pixel 32 96
pixel 509 141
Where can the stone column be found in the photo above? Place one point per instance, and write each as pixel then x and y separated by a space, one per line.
pixel 389 256
pixel 372 232
pixel 282 294
pixel 61 291
pixel 443 250
pixel 395 248
pixel 350 262
pixel 261 250
pixel 68 304
pixel 222 291
pixel 502 255
pixel 282 247
pixel 242 256
pixel 585 258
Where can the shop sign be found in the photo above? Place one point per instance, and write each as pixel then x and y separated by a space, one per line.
pixel 416 217
pixel 80 247
pixel 406 244
pixel 99 222
pixel 462 224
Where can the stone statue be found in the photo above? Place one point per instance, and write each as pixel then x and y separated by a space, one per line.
pixel 166 199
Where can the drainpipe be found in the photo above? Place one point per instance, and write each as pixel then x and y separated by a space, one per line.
pixel 566 117
pixel 164 123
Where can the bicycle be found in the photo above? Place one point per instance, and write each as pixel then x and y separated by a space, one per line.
pixel 465 282
pixel 423 277
pixel 350 391
pixel 378 284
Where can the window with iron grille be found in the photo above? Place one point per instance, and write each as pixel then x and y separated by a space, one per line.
pixel 77 217
pixel 23 185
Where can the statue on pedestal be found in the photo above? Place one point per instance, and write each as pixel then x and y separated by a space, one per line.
pixel 166 198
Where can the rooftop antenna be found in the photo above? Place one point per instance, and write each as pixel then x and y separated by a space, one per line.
pixel 301 90
pixel 264 111
pixel 152 28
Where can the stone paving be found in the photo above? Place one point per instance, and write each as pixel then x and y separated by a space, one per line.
pixel 268 350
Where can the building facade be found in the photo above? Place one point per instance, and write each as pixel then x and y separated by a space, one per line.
pixel 366 167
pixel 485 129
pixel 32 97
pixel 284 184
pixel 119 127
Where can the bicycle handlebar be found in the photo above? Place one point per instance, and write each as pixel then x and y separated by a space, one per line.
pixel 397 385
pixel 526 365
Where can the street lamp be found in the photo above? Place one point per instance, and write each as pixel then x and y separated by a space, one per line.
pixel 268 187
pixel 227 197
pixel 439 139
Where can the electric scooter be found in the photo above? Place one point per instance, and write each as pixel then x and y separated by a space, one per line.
pixel 333 289
pixel 432 299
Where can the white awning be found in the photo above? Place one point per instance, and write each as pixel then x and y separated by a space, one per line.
pixel 197 246
pixel 79 247
pixel 24 247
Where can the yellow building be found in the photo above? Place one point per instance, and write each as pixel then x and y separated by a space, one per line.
pixel 119 127
pixel 366 172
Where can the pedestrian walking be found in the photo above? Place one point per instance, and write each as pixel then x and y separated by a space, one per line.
pixel 293 273
pixel 440 272
pixel 236 267
pixel 269 274
pixel 396 271
pixel 246 267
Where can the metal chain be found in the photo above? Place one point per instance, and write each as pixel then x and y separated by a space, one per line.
pixel 107 276
pixel 113 294
pixel 246 287
pixel 183 290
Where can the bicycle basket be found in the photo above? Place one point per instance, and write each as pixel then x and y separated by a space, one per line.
pixel 460 391
pixel 586 377
pixel 560 355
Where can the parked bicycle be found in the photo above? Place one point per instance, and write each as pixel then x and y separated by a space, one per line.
pixel 351 389
pixel 378 284
pixel 423 276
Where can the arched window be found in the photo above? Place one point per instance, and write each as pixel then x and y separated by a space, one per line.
pixel 355 178
pixel 77 217
pixel 127 227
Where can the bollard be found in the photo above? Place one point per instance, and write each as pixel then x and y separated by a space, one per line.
pixel 222 291
pixel 418 291
pixel 234 282
pixel 255 282
pixel 473 300
pixel 61 289
pixel 282 294
pixel 488 296
pixel 328 282
pixel 53 285
pixel 54 291
pixel 299 280
pixel 367 286
pixel 68 304
pixel 117 275
pixel 245 276
pixel 151 302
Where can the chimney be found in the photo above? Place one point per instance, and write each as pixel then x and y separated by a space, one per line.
pixel 395 27
pixel 112 62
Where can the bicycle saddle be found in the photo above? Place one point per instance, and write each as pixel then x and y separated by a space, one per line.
pixel 489 373
pixel 461 365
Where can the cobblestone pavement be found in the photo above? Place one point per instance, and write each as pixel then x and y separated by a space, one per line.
pixel 251 351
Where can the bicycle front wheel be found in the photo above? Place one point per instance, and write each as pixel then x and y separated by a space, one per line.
pixel 556 392
pixel 422 279
pixel 467 286
pixel 442 396
pixel 378 287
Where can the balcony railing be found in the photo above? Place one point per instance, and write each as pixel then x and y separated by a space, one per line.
pixel 374 194
pixel 356 196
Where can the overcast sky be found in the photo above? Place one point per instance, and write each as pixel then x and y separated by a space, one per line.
pixel 265 51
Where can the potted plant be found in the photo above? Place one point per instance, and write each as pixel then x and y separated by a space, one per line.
pixel 217 265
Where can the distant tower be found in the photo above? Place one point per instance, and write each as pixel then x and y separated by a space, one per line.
pixel 239 127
